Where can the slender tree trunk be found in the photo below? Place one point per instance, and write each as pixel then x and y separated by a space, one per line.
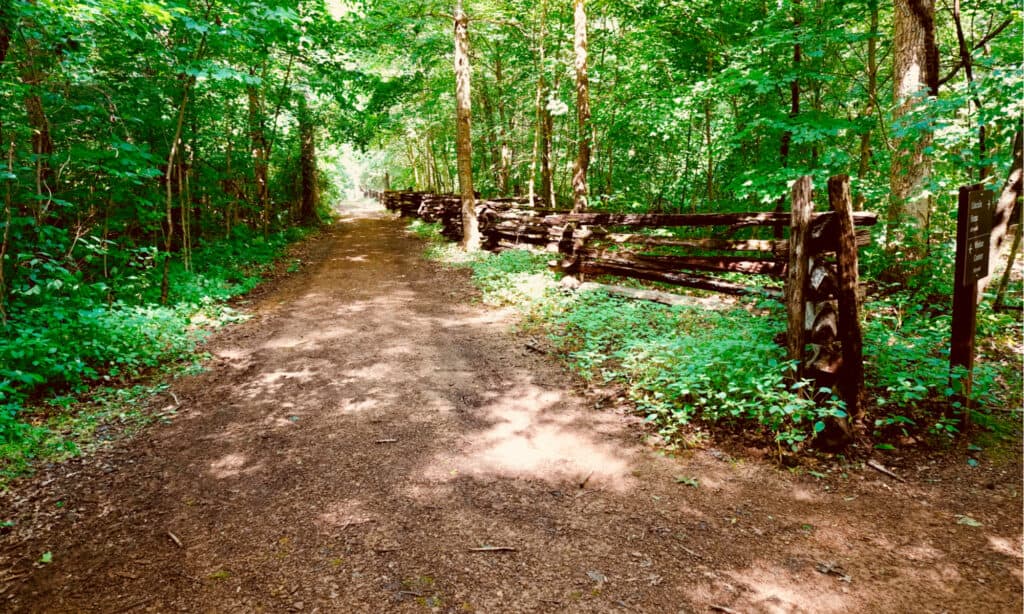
pixel 5 42
pixel 686 165
pixel 5 242
pixel 505 149
pixel 490 135
pixel 183 213
pixel 258 140
pixel 915 70
pixel 794 90
pixel 229 184
pixel 168 180
pixel 710 170
pixel 547 182
pixel 307 164
pixel 968 64
pixel 579 172
pixel 463 142
pixel 537 113
pixel 1009 199
pixel 872 87
pixel 794 111
pixel 42 140
pixel 435 170
pixel 710 166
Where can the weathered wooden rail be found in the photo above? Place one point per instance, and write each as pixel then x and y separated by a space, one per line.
pixel 816 264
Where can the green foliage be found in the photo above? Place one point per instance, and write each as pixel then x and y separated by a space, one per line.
pixel 69 337
pixel 513 277
pixel 685 363
pixel 426 231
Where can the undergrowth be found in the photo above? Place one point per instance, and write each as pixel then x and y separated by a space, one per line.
pixel 684 364
pixel 70 338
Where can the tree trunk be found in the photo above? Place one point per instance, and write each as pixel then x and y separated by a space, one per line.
pixel 710 163
pixel 915 69
pixel 5 42
pixel 968 64
pixel 168 180
pixel 547 183
pixel 463 143
pixel 258 140
pixel 579 172
pixel 794 90
pixel 1009 198
pixel 5 241
pixel 505 149
pixel 42 140
pixel 794 111
pixel 872 91
pixel 493 165
pixel 307 164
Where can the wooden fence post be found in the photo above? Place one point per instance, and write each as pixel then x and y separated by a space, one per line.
pixel 796 277
pixel 851 375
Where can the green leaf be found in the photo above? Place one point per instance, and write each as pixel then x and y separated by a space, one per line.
pixel 967 521
pixel 47 558
pixel 682 479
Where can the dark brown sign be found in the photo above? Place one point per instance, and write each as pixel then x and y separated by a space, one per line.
pixel 979 233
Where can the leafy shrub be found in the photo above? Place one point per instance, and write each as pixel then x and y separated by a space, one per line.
pixel 66 333
pixel 686 363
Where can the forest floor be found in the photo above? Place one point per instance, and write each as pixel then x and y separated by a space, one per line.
pixel 371 441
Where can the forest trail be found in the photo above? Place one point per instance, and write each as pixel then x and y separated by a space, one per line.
pixel 350 445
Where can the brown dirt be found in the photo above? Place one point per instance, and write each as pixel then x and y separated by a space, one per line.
pixel 351 443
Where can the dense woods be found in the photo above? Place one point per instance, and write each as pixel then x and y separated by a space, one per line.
pixel 155 152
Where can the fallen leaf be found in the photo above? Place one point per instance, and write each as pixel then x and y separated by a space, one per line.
pixel 967 520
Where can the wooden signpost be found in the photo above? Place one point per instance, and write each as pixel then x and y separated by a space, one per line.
pixel 973 238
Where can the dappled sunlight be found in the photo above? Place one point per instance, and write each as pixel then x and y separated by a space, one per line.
pixel 800 493
pixel 288 420
pixel 487 318
pixel 344 514
pixel 774 589
pixel 532 433
pixel 920 552
pixel 377 370
pixel 287 342
pixel 351 406
pixel 274 377
pixel 1006 546
pixel 231 465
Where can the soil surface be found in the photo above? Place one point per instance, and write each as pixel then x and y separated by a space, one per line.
pixel 372 441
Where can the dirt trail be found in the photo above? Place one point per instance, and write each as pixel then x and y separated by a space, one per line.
pixel 349 446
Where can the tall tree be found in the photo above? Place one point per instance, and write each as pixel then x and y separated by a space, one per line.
pixel 309 191
pixel 463 135
pixel 579 171
pixel 915 75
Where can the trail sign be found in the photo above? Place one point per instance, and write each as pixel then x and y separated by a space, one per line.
pixel 979 234
pixel 973 236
